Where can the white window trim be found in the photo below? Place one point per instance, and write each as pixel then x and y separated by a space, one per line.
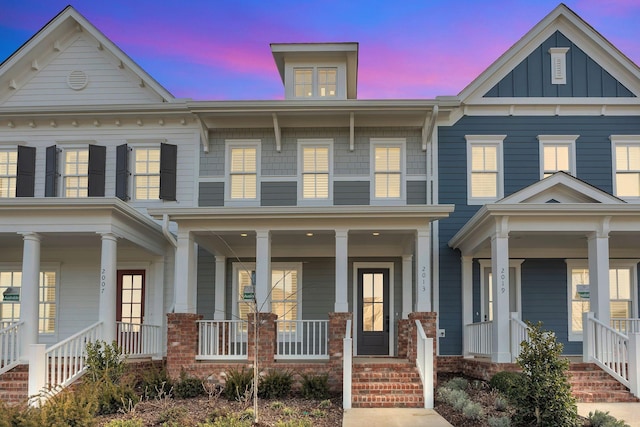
pixel 64 146
pixel 44 267
pixel 251 266
pixel 14 177
pixel 513 263
pixel 303 143
pixel 241 143
pixel 388 142
pixel 132 144
pixel 498 141
pixel 627 140
pixel 558 65
pixel 558 141
pixel 632 264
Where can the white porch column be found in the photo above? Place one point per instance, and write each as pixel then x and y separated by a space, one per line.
pixel 598 249
pixel 108 286
pixel 220 295
pixel 467 300
pixel 29 299
pixel 185 274
pixel 501 348
pixel 407 288
pixel 263 270
pixel 342 270
pixel 423 270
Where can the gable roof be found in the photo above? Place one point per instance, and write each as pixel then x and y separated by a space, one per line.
pixel 21 65
pixel 580 33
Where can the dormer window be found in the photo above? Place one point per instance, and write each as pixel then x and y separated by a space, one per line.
pixel 312 82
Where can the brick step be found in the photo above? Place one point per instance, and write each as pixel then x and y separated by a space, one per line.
pixel 14 385
pixel 604 396
pixel 386 385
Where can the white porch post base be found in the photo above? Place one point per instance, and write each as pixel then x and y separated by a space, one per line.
pixel 634 363
pixel 467 301
pixel 37 372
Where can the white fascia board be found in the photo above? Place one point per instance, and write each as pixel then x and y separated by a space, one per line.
pixel 79 110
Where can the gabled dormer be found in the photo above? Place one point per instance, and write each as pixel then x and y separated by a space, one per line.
pixel 317 71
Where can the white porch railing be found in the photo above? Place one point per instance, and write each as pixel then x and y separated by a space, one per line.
pixel 222 339
pixel 519 333
pixel 424 362
pixel 606 348
pixel 139 340
pixel 626 326
pixel 65 361
pixel 347 366
pixel 479 339
pixel 10 345
pixel 302 339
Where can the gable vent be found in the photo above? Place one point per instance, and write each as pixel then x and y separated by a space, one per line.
pixel 77 80
pixel 558 65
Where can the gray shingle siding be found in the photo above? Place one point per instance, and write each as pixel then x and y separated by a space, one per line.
pixel 211 194
pixel 521 168
pixel 416 192
pixel 351 192
pixel 532 77
pixel 206 276
pixel 278 193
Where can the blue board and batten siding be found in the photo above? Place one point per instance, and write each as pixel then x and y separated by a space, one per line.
pixel 521 168
pixel 585 77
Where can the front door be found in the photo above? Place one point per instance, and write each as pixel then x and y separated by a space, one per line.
pixel 373 304
pixel 130 309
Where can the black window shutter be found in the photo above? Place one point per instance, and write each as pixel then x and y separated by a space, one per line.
pixel 26 171
pixel 51 172
pixel 122 172
pixel 97 159
pixel 168 162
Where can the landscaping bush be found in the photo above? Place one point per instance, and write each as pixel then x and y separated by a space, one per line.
pixel 104 361
pixel 275 384
pixel 315 386
pixel 239 384
pixel 155 383
pixel 19 415
pixel 508 383
pixel 546 394
pixel 499 422
pixel 187 387
pixel 68 408
pixel 603 419
pixel 472 411
pixel 133 422
pixel 457 383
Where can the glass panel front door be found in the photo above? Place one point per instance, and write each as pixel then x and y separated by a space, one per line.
pixel 373 301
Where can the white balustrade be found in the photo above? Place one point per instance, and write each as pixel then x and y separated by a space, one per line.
pixel 519 333
pixel 302 339
pixel 607 348
pixel 222 339
pixel 137 340
pixel 626 326
pixel 10 345
pixel 424 362
pixel 479 339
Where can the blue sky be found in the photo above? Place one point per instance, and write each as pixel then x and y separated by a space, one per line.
pixel 219 49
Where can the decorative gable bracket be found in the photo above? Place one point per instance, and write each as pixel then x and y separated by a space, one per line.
pixel 428 127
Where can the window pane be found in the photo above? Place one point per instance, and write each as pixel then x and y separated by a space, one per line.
pixel 303 82
pixel 628 184
pixel 484 184
pixel 622 159
pixel 634 157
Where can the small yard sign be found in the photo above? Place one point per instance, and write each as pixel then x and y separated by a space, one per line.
pixel 11 295
pixel 248 293
pixel 583 291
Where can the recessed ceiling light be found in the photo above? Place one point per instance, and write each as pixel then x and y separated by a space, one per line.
pixel 309 234
pixel 375 233
pixel 243 234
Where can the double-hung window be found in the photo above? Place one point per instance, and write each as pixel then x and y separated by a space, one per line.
pixel 622 292
pixel 284 293
pixel 75 175
pixel 315 167
pixel 388 166
pixel 315 82
pixel 243 165
pixel 626 162
pixel 557 153
pixel 11 277
pixel 146 173
pixel 8 172
pixel 485 168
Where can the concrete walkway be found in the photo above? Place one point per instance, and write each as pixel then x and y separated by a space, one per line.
pixel 392 417
pixel 629 412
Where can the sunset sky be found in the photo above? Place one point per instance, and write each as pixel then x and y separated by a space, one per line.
pixel 219 49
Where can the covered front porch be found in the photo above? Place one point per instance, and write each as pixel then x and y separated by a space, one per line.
pixel 562 252
pixel 74 271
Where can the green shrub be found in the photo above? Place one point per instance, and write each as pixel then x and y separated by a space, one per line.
pixel 452 397
pixel 472 411
pixel 110 397
pixel 275 384
pixel 187 387
pixel 499 422
pixel 228 421
pixel 19 416
pixel 175 413
pixel 325 404
pixel 603 419
pixel 501 404
pixel 546 394
pixel 133 422
pixel 508 383
pixel 457 383
pixel 155 383
pixel 104 361
pixel 239 384
pixel 68 408
pixel 315 386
